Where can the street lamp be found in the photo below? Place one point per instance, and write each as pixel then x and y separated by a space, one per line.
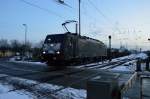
pixel 25 25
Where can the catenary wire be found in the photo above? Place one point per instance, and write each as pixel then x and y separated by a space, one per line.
pixel 44 9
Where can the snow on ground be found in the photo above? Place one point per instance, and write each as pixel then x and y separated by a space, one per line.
pixel 4 88
pixel 19 88
pixel 132 56
pixel 15 95
pixel 74 93
pixel 29 89
pixel 142 56
pixel 5 93
pixel 121 68
pixel 131 65
pixel 26 62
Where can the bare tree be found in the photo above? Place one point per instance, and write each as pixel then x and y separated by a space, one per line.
pixel 37 49
pixel 16 46
pixel 39 44
pixel 4 46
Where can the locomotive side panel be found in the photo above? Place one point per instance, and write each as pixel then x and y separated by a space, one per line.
pixel 78 47
pixel 67 48
pixel 70 47
pixel 91 48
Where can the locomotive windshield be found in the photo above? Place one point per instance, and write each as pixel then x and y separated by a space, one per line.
pixel 52 44
pixel 58 38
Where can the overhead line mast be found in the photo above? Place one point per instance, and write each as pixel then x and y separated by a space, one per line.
pixel 79 17
pixel 62 2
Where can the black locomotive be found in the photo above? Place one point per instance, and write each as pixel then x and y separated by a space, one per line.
pixel 72 48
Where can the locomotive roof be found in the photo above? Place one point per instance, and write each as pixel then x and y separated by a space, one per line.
pixel 69 33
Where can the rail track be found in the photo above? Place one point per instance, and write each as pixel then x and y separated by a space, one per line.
pixel 107 65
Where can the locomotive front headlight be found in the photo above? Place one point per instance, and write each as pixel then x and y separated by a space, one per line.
pixel 44 52
pixel 51 45
pixel 58 52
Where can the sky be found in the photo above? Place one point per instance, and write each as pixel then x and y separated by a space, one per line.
pixel 127 21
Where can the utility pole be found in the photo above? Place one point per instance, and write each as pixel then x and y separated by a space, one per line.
pixel 76 28
pixel 79 17
pixel 79 14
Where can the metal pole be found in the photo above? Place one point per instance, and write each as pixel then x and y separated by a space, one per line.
pixel 25 25
pixel 76 28
pixel 79 17
pixel 26 35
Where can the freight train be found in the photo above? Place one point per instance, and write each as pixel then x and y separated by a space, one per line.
pixel 70 48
